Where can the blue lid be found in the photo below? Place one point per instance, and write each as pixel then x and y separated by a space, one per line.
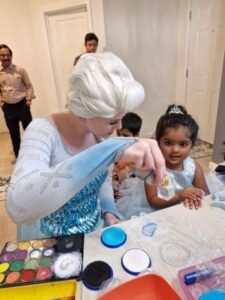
pixel 213 295
pixel 135 261
pixel 113 237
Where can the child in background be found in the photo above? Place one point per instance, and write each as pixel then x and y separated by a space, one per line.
pixel 176 133
pixel 131 126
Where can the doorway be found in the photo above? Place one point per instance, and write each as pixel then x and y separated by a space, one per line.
pixel 66 29
pixel 204 66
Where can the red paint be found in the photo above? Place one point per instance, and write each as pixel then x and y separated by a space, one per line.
pixel 43 273
pixel 27 275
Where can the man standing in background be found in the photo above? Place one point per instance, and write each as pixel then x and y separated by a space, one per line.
pixel 16 94
pixel 90 43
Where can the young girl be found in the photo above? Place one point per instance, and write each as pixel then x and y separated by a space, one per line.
pixel 176 133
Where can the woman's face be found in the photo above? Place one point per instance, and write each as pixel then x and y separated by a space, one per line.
pixel 103 127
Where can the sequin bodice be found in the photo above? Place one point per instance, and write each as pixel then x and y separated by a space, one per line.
pixel 76 215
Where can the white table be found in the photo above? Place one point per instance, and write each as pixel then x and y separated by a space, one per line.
pixel 200 231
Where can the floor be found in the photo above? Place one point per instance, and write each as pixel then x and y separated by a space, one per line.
pixel 7 227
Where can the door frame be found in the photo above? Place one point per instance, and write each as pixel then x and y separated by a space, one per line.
pixel 62 8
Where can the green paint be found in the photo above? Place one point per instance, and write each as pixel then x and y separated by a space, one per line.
pixel 31 264
pixel 45 261
pixel 17 265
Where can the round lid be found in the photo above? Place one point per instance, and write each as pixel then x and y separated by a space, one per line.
pixel 95 274
pixel 113 237
pixel 135 261
pixel 212 295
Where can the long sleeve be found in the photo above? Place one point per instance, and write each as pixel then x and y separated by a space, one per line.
pixel 107 199
pixel 36 189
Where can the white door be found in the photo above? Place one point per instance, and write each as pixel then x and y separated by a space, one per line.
pixel 66 32
pixel 205 64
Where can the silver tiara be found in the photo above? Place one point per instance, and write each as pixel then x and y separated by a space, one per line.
pixel 175 110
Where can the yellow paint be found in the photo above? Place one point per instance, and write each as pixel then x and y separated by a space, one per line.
pixel 24 245
pixel 2 277
pixel 4 267
pixel 43 291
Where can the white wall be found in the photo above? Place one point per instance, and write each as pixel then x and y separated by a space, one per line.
pixel 144 33
pixel 23 30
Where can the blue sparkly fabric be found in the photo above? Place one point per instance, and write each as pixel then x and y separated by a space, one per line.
pixel 76 215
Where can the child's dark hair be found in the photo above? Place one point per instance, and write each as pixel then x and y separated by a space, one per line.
pixel 132 122
pixel 176 116
pixel 89 37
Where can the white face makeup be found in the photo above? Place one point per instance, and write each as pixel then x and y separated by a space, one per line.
pixel 103 127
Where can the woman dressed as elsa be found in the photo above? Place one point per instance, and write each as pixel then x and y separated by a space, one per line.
pixel 60 182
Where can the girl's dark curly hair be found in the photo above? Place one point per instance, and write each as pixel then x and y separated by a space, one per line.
pixel 176 116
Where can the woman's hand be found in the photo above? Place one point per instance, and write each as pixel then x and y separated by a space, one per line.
pixel 110 219
pixel 146 156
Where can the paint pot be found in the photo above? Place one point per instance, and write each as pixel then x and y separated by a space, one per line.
pixel 20 255
pixel 17 265
pixel 12 277
pixel 45 261
pixel 134 261
pixel 67 265
pixel 11 247
pixel 43 273
pixel 24 245
pixel 49 242
pixel 95 274
pixel 27 275
pixel 31 264
pixel 4 267
pixel 49 251
pixel 113 237
pixel 8 256
pixel 37 244
pixel 35 253
pixel 2 277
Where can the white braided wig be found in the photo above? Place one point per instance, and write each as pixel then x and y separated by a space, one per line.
pixel 101 85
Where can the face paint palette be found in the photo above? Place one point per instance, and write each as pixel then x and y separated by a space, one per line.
pixel 41 260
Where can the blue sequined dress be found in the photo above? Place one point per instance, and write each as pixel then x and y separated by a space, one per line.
pixel 53 191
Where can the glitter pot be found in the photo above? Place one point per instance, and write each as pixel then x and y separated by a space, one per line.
pixel 31 264
pixel 43 273
pixel 48 251
pixel 17 265
pixel 113 237
pixel 8 256
pixel 12 277
pixel 135 261
pixel 37 244
pixel 49 242
pixel 35 253
pixel 27 275
pixel 95 274
pixel 24 245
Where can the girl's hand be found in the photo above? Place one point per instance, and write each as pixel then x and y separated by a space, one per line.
pixel 192 197
pixel 146 156
pixel 110 219
pixel 192 203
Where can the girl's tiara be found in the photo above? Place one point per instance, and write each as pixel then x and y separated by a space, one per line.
pixel 175 110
